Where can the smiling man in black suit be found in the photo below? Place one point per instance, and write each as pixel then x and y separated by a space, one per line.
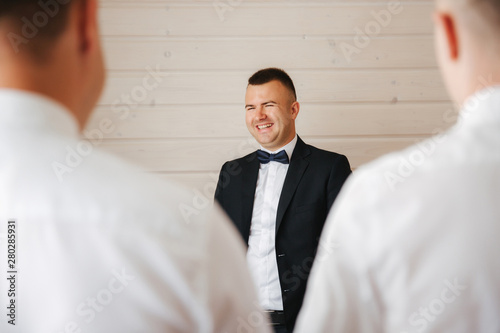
pixel 279 196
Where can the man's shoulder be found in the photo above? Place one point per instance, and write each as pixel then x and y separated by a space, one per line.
pixel 119 190
pixel 322 154
pixel 241 161
pixel 401 173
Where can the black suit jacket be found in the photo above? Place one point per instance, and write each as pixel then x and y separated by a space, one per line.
pixel 313 180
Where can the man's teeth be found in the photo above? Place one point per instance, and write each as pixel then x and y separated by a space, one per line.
pixel 264 126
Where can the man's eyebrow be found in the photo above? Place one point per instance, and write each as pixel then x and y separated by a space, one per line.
pixel 264 103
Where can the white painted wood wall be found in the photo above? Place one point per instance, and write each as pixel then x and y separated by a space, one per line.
pixel 185 122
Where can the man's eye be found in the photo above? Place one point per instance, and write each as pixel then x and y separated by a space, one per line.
pixel 269 105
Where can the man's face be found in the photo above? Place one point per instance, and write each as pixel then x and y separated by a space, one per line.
pixel 270 114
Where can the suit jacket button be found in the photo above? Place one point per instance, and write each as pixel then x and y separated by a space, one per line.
pixel 281 255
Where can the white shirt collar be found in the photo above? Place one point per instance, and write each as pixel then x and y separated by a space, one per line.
pixel 289 148
pixel 29 111
pixel 481 107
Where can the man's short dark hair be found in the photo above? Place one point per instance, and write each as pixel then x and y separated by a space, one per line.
pixel 489 10
pixel 33 22
pixel 494 4
pixel 271 74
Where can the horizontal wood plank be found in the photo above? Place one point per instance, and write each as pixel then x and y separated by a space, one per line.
pixel 263 19
pixel 236 3
pixel 295 53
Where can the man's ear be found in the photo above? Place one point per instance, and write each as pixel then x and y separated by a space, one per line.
pixel 87 25
pixel 447 24
pixel 295 109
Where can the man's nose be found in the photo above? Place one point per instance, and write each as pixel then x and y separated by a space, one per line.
pixel 261 113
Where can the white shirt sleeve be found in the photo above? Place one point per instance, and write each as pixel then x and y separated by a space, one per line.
pixel 340 296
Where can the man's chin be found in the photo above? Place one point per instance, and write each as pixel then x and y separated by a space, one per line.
pixel 263 142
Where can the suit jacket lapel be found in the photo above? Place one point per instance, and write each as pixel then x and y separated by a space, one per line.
pixel 298 166
pixel 250 172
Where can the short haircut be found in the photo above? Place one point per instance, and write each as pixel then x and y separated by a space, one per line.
pixel 35 22
pixel 489 10
pixel 271 74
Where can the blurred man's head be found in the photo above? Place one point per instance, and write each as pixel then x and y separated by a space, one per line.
pixel 468 44
pixel 52 47
pixel 271 108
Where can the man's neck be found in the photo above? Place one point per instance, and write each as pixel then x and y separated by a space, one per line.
pixel 25 77
pixel 289 147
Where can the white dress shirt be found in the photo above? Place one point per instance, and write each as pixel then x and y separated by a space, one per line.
pixel 261 254
pixel 106 248
pixel 413 242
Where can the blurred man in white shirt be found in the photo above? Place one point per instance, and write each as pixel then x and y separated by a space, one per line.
pixel 104 248
pixel 411 245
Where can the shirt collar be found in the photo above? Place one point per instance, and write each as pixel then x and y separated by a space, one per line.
pixel 289 148
pixel 23 110
pixel 482 107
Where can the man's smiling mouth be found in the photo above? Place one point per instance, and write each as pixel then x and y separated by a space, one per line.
pixel 261 127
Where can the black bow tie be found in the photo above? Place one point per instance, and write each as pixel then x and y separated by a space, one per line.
pixel 265 157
